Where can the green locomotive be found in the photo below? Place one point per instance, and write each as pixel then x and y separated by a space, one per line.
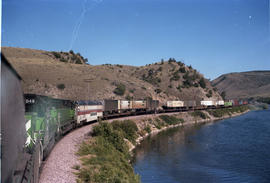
pixel 46 120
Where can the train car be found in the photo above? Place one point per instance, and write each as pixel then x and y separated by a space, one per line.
pixel 152 105
pixel 111 107
pixel 228 104
pixel 207 103
pixel 13 132
pixel 235 102
pixel 87 111
pixel 47 119
pixel 138 105
pixel 190 103
pixel 124 105
pixel 174 104
pixel 220 103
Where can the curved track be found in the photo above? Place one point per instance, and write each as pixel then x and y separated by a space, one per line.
pixel 58 166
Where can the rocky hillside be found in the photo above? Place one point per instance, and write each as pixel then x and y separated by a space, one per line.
pixel 56 74
pixel 253 84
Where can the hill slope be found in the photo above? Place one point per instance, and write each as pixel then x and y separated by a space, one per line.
pixel 244 84
pixel 47 73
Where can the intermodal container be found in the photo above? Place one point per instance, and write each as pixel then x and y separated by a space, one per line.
pixel 220 102
pixel 138 104
pixel 125 104
pixel 207 103
pixel 152 104
pixel 227 104
pixel 111 106
pixel 190 103
pixel 175 103
pixel 235 102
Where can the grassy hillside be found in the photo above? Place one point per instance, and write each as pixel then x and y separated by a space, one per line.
pixel 253 84
pixel 66 75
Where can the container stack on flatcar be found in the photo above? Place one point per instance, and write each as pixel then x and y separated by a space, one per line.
pixel 174 104
pixel 207 103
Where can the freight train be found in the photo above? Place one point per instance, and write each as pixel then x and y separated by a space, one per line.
pixel 42 120
pixel 47 118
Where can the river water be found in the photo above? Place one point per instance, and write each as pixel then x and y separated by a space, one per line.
pixel 231 150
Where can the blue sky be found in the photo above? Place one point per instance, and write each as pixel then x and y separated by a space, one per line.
pixel 214 36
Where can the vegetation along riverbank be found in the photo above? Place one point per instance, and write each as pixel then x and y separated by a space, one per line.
pixel 105 155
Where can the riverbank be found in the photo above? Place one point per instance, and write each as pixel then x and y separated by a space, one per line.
pixel 187 116
pixel 105 155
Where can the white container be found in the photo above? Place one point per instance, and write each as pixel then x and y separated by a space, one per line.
pixel 207 102
pixel 220 102
pixel 175 103
pixel 125 104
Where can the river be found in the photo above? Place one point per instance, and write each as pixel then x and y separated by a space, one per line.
pixel 230 150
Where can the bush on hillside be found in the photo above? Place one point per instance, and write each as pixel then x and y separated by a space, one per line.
pixel 171 120
pixel 115 137
pixel 199 114
pixel 209 94
pixel 128 128
pixel 202 83
pixel 61 86
pixel 120 89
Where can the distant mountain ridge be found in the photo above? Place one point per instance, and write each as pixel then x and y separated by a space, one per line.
pixel 66 75
pixel 250 84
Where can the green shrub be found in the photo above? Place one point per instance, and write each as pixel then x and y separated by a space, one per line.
pixel 199 114
pixel 158 90
pixel 264 100
pixel 128 97
pixel 187 83
pixel 128 128
pixel 131 90
pixel 71 52
pixel 202 83
pixel 158 124
pixel 120 89
pixel 171 120
pixel 105 163
pixel 147 129
pixel 209 94
pixel 179 88
pixel 265 106
pixel 171 60
pixel 61 86
pixel 56 54
pixel 150 78
pixel 175 76
pixel 182 70
pixel 181 64
pixel 115 137
pixel 63 60
pixel 227 111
